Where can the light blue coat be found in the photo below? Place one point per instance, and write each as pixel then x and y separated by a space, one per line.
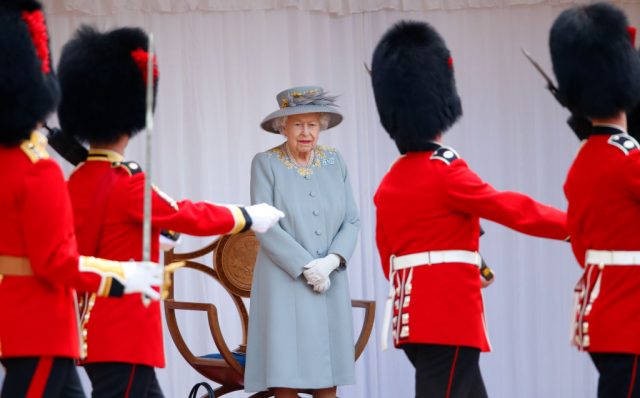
pixel 299 338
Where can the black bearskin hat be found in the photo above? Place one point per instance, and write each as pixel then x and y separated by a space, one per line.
pixel 633 122
pixel 28 88
pixel 414 85
pixel 597 68
pixel 103 82
pixel 633 116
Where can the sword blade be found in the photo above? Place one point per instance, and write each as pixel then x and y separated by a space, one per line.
pixel 550 85
pixel 366 67
pixel 146 227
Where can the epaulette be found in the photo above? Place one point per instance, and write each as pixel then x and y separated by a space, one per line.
pixel 445 154
pixel 624 142
pixel 131 167
pixel 35 147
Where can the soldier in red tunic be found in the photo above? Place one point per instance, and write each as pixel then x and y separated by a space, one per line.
pixel 40 268
pixel 103 82
pixel 428 210
pixel 598 73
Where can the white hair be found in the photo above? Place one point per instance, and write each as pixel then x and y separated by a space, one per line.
pixel 279 123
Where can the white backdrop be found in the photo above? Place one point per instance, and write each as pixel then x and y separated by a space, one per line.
pixel 336 7
pixel 219 73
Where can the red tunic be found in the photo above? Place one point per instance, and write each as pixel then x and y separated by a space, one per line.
pixel 107 196
pixel 432 201
pixel 603 190
pixel 37 313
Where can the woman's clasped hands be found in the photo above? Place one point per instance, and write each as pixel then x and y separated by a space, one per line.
pixel 317 272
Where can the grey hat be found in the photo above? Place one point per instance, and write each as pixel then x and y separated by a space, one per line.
pixel 303 99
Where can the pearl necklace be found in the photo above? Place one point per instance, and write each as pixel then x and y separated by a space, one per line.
pixel 309 162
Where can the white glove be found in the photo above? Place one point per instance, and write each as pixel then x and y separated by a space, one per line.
pixel 322 287
pixel 320 284
pixel 317 272
pixel 141 277
pixel 263 216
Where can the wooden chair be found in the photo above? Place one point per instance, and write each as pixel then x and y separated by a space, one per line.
pixel 234 257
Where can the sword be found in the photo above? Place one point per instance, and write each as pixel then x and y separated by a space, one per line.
pixel 550 85
pixel 366 67
pixel 579 124
pixel 485 271
pixel 166 284
pixel 146 226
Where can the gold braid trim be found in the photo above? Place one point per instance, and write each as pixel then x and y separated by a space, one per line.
pixel 240 221
pixel 107 269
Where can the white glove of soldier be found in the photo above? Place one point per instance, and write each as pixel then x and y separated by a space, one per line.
pixel 263 216
pixel 141 277
pixel 317 272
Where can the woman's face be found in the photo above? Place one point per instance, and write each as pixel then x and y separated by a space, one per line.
pixel 302 132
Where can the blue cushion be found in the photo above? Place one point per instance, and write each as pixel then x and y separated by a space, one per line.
pixel 241 358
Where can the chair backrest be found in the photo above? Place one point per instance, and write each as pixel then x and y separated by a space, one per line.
pixel 235 259
pixel 222 368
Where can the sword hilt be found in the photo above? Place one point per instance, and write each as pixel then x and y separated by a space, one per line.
pixel 486 272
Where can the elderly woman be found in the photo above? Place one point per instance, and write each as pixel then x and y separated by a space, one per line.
pixel 300 328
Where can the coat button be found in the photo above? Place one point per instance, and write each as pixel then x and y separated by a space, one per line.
pixel 312 194
pixel 316 213
pixel 318 232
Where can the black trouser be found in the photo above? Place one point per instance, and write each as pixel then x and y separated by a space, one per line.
pixel 446 371
pixel 46 377
pixel 618 375
pixel 123 380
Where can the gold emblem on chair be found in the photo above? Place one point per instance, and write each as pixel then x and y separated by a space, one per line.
pixel 234 261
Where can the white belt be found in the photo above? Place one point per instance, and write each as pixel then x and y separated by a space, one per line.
pixel 418 259
pixel 612 257
pixel 436 257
